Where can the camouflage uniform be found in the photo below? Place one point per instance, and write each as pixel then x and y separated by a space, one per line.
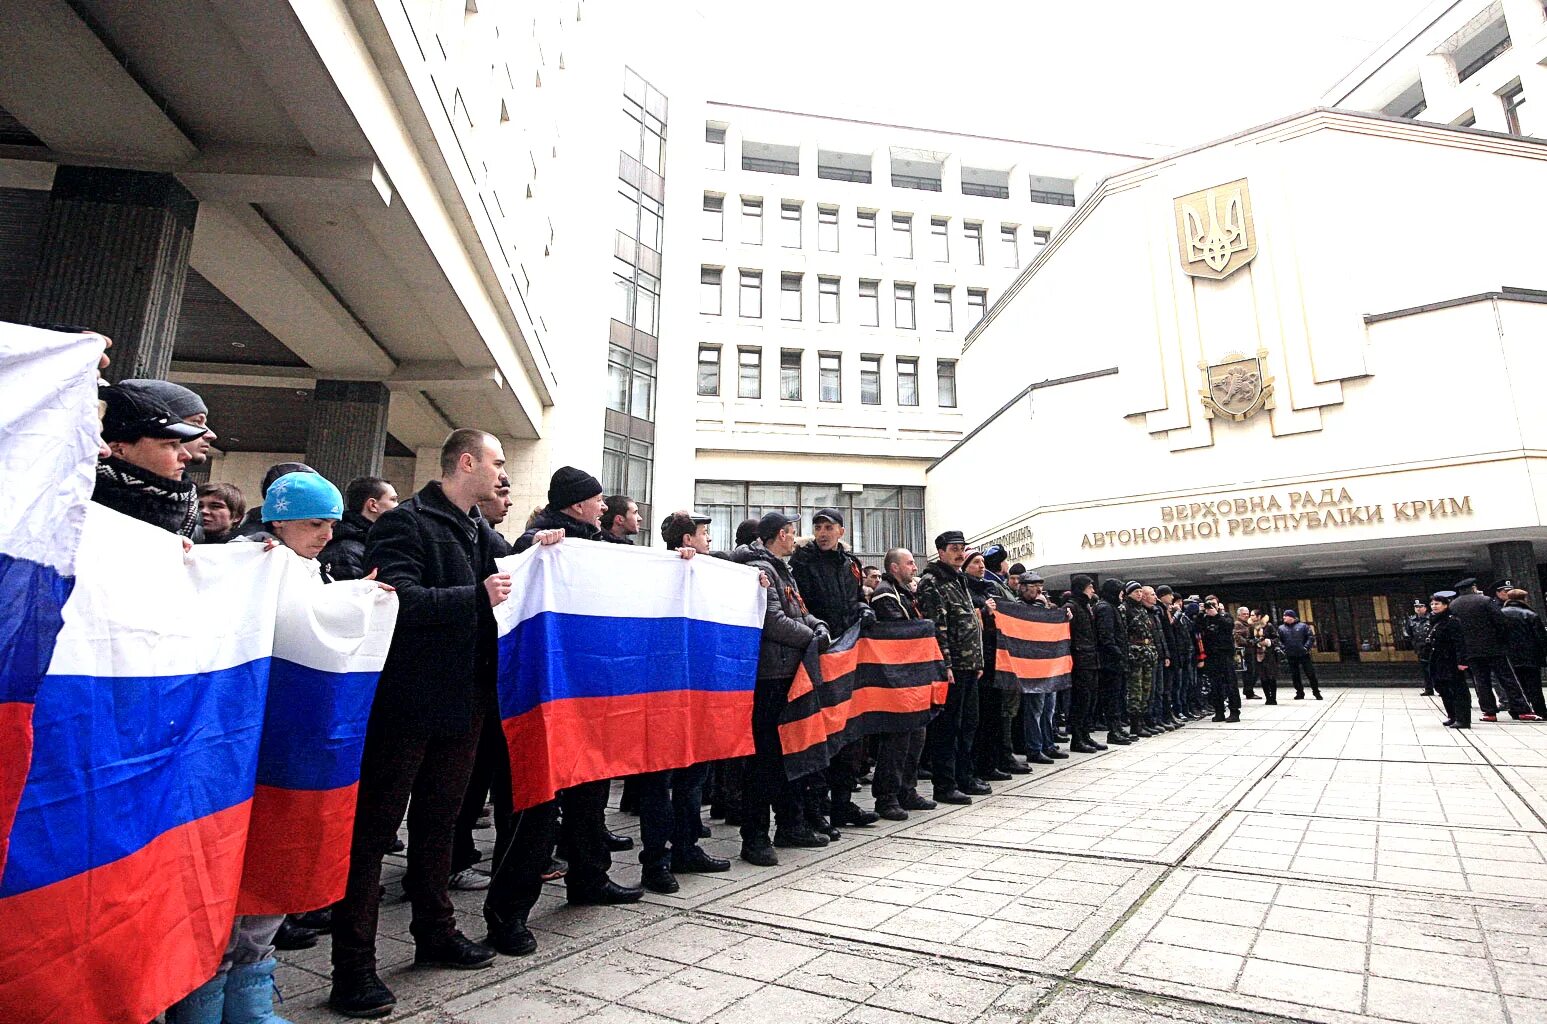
pixel 942 596
pixel 1143 652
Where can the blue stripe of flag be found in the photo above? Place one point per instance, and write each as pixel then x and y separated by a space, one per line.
pixel 32 598
pixel 314 726
pixel 559 656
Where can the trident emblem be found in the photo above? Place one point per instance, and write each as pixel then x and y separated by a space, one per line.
pixel 1214 229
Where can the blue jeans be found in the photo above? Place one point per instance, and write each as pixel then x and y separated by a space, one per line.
pixel 1037 710
pixel 1158 692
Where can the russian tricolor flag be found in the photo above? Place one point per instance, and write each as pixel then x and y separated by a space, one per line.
pixel 616 660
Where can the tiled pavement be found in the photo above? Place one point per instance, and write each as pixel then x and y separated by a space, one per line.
pixel 1343 860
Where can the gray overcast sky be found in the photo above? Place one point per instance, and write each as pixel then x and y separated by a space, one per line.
pixel 1170 73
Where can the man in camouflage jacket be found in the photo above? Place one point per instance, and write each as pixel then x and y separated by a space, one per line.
pixel 943 596
pixel 1143 652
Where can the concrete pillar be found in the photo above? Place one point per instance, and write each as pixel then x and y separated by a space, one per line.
pixel 115 259
pixel 1515 560
pixel 348 433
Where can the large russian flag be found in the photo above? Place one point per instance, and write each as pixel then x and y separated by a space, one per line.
pixel 617 660
pixel 330 642
pixel 127 848
pixel 48 446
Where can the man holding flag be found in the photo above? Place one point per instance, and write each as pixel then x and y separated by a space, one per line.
pixel 943 597
pixel 897 755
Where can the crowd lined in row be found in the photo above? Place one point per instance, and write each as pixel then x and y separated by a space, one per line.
pixel 1146 661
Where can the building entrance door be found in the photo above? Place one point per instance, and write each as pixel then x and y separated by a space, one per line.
pixel 1356 627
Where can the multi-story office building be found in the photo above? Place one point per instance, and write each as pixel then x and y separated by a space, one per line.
pixel 1467 63
pixel 837 266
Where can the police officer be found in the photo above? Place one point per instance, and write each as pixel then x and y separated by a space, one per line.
pixel 1417 630
pixel 1143 647
pixel 943 597
pixel 1485 632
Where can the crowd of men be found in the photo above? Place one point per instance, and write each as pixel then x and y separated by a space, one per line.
pixel 1145 661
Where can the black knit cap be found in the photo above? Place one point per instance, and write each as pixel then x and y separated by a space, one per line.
pixel 570 486
pixel 1078 583
pixel 994 556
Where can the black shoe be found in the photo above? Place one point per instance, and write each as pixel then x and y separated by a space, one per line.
pixel 1316 694
pixel 995 775
pixel 733 819
pixel 1450 723
pixel 293 936
pixel 361 995
pixel 1299 696
pixel 1091 741
pixel 510 938
pixel 1234 716
pixel 1219 716
pixel 1015 768
pixel 659 879
pixel 925 773
pixel 453 950
pixel 1080 746
pixel 1061 735
pixel 761 856
pixel 952 796
pixel 617 843
pixel 976 787
pixel 852 814
pixel 891 810
pixel 913 800
pixel 799 836
pixel 1427 693
pixel 1118 739
pixel 316 920
pixel 398 846
pixel 697 862
pixel 1056 754
pixel 1038 757
pixel 605 895
pixel 703 831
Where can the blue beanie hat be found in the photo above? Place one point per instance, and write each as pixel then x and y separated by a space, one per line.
pixel 302 496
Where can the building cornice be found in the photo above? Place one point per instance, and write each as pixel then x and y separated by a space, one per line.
pixel 1508 293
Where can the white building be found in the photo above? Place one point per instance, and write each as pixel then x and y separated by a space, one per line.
pixel 836 266
pixel 1468 63
pixel 1256 368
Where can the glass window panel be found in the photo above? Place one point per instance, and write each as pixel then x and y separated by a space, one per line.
pixel 902 236
pixel 708 291
pixel 945 376
pixel 1010 246
pixel 827 228
pixel 789 375
pixel 902 295
pixel 708 371
pixel 870 380
pixel 752 221
pixel 974 233
pixel 870 303
pixel 867 232
pixel 830 377
pixel 622 300
pixel 943 318
pixel 750 373
pixel 939 240
pixel 714 218
pixel 907 381
pixel 789 225
pixel 827 300
pixel 789 296
pixel 751 293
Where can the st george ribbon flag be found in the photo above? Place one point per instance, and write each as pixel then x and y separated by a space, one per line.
pixel 615 661
pixel 1033 648
pixel 47 447
pixel 156 726
pixel 880 678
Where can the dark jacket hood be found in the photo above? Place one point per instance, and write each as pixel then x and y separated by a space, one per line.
pixel 1111 590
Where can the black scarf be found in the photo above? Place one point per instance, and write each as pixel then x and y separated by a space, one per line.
pixel 172 505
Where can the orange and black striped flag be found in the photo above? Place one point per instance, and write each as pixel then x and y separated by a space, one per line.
pixel 890 679
pixel 1033 648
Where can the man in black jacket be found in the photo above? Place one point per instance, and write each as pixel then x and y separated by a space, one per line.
pixel 366 499
pixel 1485 642
pixel 1112 660
pixel 1218 633
pixel 143 477
pixel 1087 664
pixel 832 582
pixel 897 754
pixel 423 732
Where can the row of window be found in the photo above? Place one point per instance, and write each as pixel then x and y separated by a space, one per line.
pixel 876 517
pixel 924 175
pixel 790 232
pixel 829 376
pixel 749 301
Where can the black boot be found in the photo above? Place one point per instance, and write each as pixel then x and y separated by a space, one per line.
pixel 511 938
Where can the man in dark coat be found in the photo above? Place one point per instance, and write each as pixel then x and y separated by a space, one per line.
pixel 423 733
pixel 1218 634
pixel 1417 630
pixel 788 629
pixel 897 754
pixel 1112 660
pixel 1486 645
pixel 1297 640
pixel 1527 647
pixel 1087 664
pixel 832 582
pixel 143 477
pixel 943 597
pixel 366 500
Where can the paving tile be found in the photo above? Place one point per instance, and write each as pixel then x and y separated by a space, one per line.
pixel 1432 1003
pixel 1429 794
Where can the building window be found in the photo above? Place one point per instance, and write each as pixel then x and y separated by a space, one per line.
pixel 939 239
pixel 626 467
pixel 902 235
pixel 943 309
pixel 1052 198
pixel 829 375
pixel 752 221
pixel 1513 99
pixel 977 305
pixel 770 158
pixel 789 375
pixel 866 220
pixel 945 379
pixel 870 303
pixel 749 373
pixel 789 225
pixel 827 228
pixel 715 144
pixel 647 304
pixel 979 181
pixel 877 517
pixel 974 233
pixel 869 380
pixel 907 381
pixel 642 388
pixel 628 211
pixel 752 293
pixel 708 291
pixel 902 296
pixel 920 174
pixel 843 166
pixel 714 218
pixel 708 370
pixel 650 223
pixel 827 300
pixel 1009 246
pixel 618 385
pixel 1041 236
pixel 789 296
pixel 624 296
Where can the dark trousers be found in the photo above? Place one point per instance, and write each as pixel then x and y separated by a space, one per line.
pixel 491 778
pixel 670 811
pixel 1492 672
pixel 951 733
pixel 1456 698
pixel 399 763
pixel 519 866
pixel 897 764
pixel 1222 683
pixel 1303 661
pixel 1113 683
pixel 766 791
pixel 1530 677
pixel 1267 675
pixel 990 735
pixel 1082 699
pixel 843 772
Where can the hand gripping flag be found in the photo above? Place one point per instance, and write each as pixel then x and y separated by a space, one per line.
pixel 888 677
pixel 616 660
pixel 330 642
pixel 1033 648
pixel 48 398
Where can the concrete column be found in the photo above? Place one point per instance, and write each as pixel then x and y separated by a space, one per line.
pixel 1515 560
pixel 348 432
pixel 115 259
pixel 1437 73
